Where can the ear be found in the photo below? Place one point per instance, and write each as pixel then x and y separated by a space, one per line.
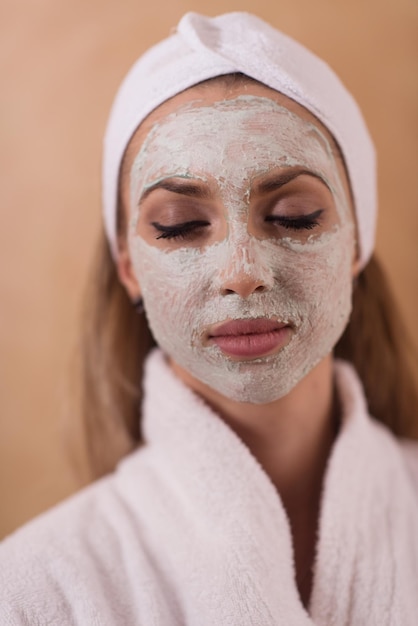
pixel 356 262
pixel 126 273
pixel 356 267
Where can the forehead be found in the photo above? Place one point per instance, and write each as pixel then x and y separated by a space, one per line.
pixel 245 135
pixel 209 93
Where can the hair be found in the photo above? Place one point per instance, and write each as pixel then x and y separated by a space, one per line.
pixel 115 341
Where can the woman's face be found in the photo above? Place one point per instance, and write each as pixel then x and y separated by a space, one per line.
pixel 240 239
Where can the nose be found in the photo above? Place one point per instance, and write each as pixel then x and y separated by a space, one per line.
pixel 242 285
pixel 244 272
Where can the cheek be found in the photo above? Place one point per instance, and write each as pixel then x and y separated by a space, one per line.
pixel 174 285
pixel 308 270
pixel 327 282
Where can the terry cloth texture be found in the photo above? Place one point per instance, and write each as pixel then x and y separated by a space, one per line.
pixel 202 48
pixel 190 531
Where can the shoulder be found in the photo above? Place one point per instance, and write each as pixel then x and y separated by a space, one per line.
pixel 409 451
pixel 69 565
pixel 38 562
pixel 405 451
pixel 353 398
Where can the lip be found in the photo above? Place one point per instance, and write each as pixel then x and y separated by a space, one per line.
pixel 250 338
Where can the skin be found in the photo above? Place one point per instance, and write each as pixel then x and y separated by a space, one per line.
pixel 292 436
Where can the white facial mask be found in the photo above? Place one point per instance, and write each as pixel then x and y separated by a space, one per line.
pixel 306 284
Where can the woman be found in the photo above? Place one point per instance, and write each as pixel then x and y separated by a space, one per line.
pixel 239 200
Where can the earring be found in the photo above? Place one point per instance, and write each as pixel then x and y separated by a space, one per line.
pixel 138 305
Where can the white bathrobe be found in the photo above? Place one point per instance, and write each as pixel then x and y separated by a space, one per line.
pixel 190 531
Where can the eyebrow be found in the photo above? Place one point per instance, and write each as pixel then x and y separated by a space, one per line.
pixel 279 180
pixel 193 190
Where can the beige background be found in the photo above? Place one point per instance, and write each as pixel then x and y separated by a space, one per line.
pixel 61 63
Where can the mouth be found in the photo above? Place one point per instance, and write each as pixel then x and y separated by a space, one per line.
pixel 250 339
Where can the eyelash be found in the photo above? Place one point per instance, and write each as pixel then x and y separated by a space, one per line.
pixel 179 231
pixel 183 230
pixel 304 222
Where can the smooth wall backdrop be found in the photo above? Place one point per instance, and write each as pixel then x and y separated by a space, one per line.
pixel 61 63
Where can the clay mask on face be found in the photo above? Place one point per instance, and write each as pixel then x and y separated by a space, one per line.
pixel 305 284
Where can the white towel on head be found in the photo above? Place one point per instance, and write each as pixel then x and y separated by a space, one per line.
pixel 202 48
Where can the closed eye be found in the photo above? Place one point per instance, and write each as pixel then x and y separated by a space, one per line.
pixel 297 222
pixel 179 231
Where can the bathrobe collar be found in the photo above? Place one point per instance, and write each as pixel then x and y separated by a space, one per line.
pixel 237 557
